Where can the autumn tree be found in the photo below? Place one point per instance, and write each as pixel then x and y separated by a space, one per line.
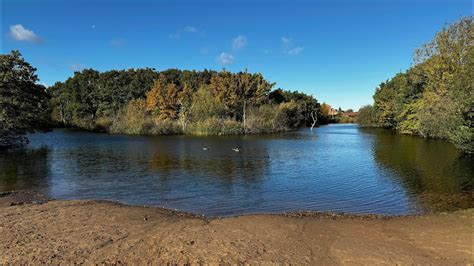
pixel 186 105
pixel 237 91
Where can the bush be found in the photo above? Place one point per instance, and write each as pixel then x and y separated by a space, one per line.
pixel 262 119
pixel 163 127
pixel 216 126
pixel 231 127
pixel 132 119
pixel 104 123
pixel 367 116
pixel 289 116
pixel 86 123
pixel 271 118
pixel 463 138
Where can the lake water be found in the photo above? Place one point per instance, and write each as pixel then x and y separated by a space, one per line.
pixel 340 168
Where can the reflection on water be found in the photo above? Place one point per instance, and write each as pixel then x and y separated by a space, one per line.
pixel 431 170
pixel 339 168
pixel 24 169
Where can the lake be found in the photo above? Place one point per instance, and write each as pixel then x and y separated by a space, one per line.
pixel 339 168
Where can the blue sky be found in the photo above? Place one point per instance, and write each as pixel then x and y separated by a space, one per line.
pixel 338 50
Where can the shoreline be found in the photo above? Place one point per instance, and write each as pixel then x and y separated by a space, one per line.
pixel 22 197
pixel 35 229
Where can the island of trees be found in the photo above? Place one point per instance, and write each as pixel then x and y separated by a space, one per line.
pixel 145 101
pixel 434 98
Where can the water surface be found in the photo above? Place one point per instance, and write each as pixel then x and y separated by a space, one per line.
pixel 341 168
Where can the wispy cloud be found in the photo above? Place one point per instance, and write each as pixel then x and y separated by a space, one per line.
pixel 225 59
pixel 289 46
pixel 76 67
pixel 295 51
pixel 239 42
pixel 286 40
pixel 117 43
pixel 190 29
pixel 187 29
pixel 20 33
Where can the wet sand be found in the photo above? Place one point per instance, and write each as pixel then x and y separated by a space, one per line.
pixel 35 230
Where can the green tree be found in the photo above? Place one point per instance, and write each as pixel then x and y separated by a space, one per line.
pixel 434 97
pixel 24 104
pixel 367 116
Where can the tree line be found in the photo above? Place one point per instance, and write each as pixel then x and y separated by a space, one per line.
pixel 434 98
pixel 146 101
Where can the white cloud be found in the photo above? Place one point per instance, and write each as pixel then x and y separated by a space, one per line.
pixel 295 51
pixel 239 42
pixel 20 33
pixel 289 46
pixel 188 29
pixel 225 59
pixel 117 43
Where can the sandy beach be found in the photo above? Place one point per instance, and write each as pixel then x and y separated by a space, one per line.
pixel 37 230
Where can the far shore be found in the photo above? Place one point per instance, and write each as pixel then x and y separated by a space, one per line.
pixel 35 229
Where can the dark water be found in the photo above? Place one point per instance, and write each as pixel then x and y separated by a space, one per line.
pixel 340 168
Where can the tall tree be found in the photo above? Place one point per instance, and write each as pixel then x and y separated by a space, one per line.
pixel 434 98
pixel 24 105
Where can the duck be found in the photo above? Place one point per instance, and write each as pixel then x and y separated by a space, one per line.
pixel 236 149
pixel 205 148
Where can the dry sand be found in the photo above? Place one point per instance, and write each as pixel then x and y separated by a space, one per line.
pixel 35 230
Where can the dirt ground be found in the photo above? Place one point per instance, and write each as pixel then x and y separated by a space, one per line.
pixel 35 230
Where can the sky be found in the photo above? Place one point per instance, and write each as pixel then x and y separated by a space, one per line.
pixel 338 51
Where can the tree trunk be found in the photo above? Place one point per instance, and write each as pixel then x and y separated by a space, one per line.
pixel 315 119
pixel 245 103
pixel 61 113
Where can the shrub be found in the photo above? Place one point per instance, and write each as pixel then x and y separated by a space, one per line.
pixel 231 127
pixel 132 119
pixel 104 123
pixel 163 127
pixel 289 116
pixel 215 126
pixel 367 116
pixel 262 119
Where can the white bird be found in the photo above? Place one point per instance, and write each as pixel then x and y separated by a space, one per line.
pixel 205 148
pixel 236 149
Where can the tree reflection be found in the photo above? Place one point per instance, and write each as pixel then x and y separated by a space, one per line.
pixel 222 168
pixel 24 169
pixel 431 170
